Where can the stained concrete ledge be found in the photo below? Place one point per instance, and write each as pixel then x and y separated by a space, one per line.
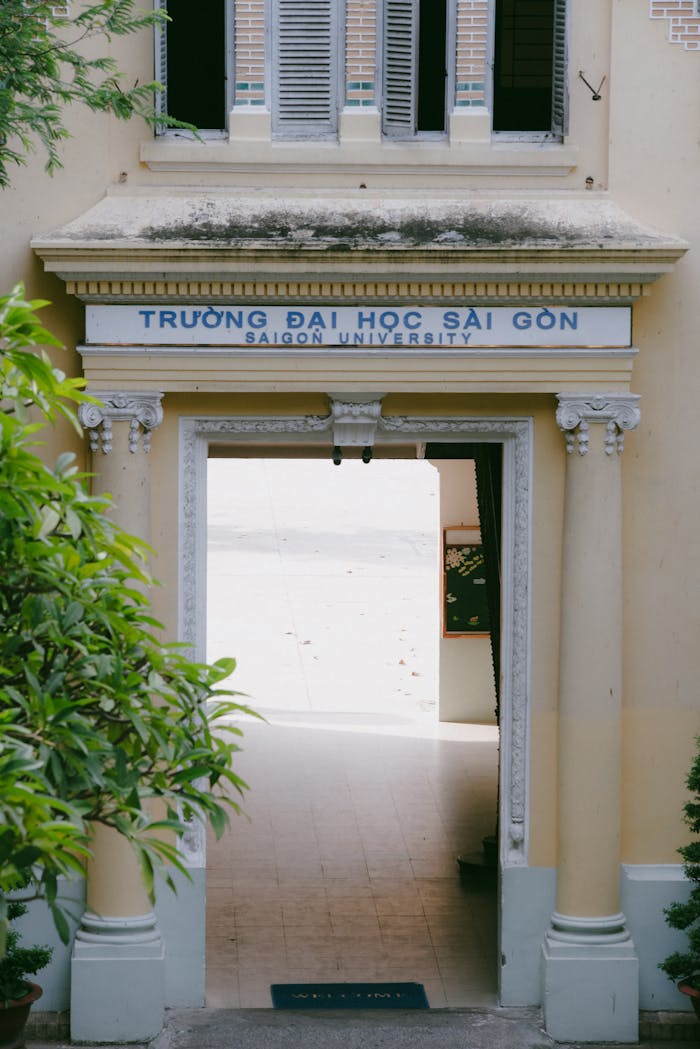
pixel 166 235
pixel 390 1029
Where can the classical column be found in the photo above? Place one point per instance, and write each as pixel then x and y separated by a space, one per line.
pixel 117 968
pixel 590 965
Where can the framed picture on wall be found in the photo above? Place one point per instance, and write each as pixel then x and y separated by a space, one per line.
pixel 464 602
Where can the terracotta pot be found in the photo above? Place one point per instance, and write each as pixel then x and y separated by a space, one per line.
pixel 13 1018
pixel 693 993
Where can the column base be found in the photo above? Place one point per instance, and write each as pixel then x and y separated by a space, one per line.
pixel 117 980
pixel 591 980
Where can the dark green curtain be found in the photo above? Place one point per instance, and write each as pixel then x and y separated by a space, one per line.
pixel 489 486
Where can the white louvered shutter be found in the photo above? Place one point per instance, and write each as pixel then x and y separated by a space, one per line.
pixel 161 59
pixel 305 68
pixel 559 83
pixel 400 67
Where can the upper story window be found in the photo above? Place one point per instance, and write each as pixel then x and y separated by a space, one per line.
pixel 194 58
pixel 529 66
pixel 415 67
pixel 305 67
pixel 412 55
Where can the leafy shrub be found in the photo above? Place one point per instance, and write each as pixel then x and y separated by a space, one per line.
pixel 685 965
pixel 100 722
pixel 19 962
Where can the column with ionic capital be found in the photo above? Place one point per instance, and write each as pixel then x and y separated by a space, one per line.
pixel 117 968
pixel 590 964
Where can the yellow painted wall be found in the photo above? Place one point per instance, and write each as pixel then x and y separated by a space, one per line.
pixel 650 112
pixel 654 174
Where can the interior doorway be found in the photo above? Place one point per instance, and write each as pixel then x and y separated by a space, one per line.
pixel 361 800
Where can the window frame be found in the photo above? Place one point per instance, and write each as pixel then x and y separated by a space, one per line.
pixel 560 93
pixel 160 67
pixel 405 134
pixel 558 129
pixel 308 131
pixel 292 131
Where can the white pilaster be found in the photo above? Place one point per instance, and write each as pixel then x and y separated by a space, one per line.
pixel 590 964
pixel 117 968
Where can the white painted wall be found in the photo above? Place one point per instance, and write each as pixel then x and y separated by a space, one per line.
pixel 467 691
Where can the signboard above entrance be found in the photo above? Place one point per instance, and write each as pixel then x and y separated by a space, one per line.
pixel 379 327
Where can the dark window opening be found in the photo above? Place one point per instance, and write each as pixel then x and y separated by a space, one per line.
pixel 523 65
pixel 196 42
pixel 432 36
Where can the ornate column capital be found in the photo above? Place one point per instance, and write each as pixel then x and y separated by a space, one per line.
pixel 143 412
pixel 576 411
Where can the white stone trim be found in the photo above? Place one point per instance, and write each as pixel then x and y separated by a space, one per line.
pixel 655 872
pixel 606 929
pixel 142 410
pixel 192 843
pixel 134 930
pixel 576 411
pixel 355 420
pixel 516 435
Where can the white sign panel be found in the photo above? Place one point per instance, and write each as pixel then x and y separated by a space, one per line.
pixel 386 328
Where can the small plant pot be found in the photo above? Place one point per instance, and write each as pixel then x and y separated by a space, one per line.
pixel 692 992
pixel 14 1016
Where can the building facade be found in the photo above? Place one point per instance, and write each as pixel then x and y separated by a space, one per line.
pixel 408 224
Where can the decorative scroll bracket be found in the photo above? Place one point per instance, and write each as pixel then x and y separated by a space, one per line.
pixel 576 411
pixel 143 412
pixel 355 420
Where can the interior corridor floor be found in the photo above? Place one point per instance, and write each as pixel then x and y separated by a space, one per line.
pixel 360 802
pixel 347 868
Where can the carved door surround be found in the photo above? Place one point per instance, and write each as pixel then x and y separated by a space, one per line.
pixel 516 436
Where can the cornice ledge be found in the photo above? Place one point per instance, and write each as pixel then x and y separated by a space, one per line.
pixel 205 237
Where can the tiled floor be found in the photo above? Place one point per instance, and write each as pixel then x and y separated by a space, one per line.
pixel 360 800
pixel 346 870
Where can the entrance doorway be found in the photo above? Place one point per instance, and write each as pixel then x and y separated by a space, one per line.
pixel 324 580
pixel 199 434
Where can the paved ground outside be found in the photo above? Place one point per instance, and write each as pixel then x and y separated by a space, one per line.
pixel 446 1029
pixel 323 583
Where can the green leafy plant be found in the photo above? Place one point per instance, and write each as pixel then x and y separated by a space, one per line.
pixel 100 722
pixel 19 962
pixel 685 965
pixel 43 69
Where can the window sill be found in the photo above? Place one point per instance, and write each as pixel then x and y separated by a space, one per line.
pixel 361 157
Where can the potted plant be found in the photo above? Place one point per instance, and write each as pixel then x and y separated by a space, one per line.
pixel 684 966
pixel 17 993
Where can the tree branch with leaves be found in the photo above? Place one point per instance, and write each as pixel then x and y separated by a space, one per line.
pixel 100 722
pixel 43 69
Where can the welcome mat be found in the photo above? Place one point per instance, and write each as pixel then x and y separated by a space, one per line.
pixel 349 996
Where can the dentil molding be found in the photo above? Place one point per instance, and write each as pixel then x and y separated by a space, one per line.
pixel 143 412
pixel 576 411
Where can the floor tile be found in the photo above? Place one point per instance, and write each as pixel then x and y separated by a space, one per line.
pixel 268 936
pixel 312 911
pixel 351 907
